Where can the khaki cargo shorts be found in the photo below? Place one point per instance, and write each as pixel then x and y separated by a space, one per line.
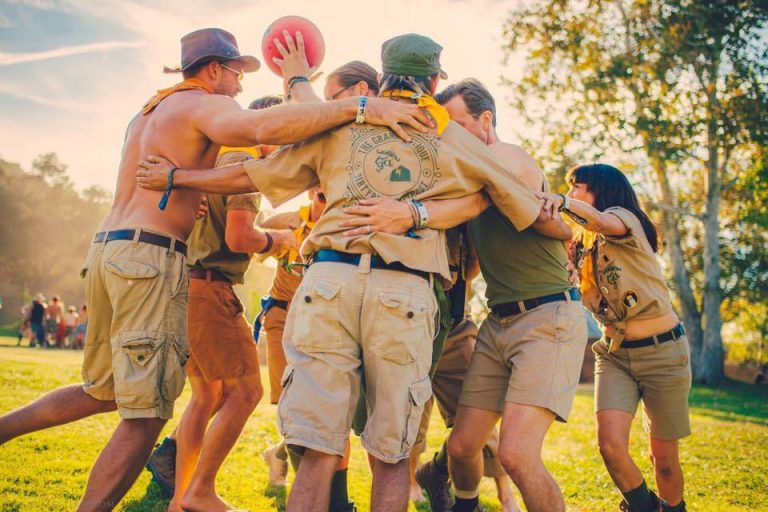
pixel 532 358
pixel 136 343
pixel 220 339
pixel 659 375
pixel 344 317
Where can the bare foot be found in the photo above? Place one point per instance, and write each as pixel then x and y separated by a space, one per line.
pixel 205 503
pixel 416 495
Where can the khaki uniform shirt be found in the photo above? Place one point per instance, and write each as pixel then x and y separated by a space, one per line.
pixel 361 161
pixel 207 246
pixel 631 282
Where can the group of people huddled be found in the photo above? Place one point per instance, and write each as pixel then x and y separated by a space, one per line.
pixel 412 196
pixel 51 325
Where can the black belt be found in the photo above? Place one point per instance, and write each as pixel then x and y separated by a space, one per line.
pixel 145 236
pixel 208 275
pixel 331 256
pixel 673 334
pixel 514 308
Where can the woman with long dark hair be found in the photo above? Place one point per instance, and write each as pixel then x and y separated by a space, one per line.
pixel 644 354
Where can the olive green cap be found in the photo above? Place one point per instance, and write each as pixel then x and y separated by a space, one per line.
pixel 411 55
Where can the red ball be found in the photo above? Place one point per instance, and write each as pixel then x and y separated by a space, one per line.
pixel 314 45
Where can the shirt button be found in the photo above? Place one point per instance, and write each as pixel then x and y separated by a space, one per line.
pixel 410 314
pixel 140 358
pixel 307 298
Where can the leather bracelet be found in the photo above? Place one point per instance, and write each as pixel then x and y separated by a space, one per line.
pixel 167 194
pixel 566 203
pixel 423 213
pixel 267 247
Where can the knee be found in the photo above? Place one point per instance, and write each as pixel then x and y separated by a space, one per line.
pixel 249 396
pixel 664 465
pixel 517 461
pixel 459 448
pixel 612 449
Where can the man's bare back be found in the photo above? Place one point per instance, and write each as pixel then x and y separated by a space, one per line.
pixel 165 131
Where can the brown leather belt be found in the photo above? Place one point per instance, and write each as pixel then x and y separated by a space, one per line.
pixel 207 275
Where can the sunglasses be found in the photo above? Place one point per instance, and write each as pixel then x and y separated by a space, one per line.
pixel 337 93
pixel 240 74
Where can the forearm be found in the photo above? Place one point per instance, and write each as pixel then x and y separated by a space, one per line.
pixel 230 180
pixel 553 228
pixel 294 122
pixel 595 219
pixel 248 241
pixel 447 213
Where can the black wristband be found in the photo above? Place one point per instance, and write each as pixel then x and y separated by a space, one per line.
pixel 267 247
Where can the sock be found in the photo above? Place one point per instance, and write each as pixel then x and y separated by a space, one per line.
pixel 441 459
pixel 281 453
pixel 339 496
pixel 465 504
pixel 639 499
pixel 680 507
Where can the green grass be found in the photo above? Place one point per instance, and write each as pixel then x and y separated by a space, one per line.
pixel 725 460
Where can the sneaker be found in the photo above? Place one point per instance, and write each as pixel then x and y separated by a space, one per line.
pixel 437 485
pixel 162 465
pixel 278 468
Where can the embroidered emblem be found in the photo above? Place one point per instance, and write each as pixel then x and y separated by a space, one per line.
pixel 381 164
pixel 630 299
pixel 611 273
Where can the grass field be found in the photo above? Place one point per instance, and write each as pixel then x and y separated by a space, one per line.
pixel 725 460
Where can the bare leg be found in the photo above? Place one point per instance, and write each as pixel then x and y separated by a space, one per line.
pixel 415 494
pixel 120 463
pixel 504 493
pixel 613 439
pixel 190 433
pixel 390 487
pixel 523 428
pixel 669 475
pixel 60 406
pixel 465 446
pixel 312 488
pixel 240 398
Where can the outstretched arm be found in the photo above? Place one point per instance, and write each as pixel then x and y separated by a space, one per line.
pixel 585 215
pixel 231 179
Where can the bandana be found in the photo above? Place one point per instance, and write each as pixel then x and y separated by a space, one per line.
pixel 437 111
pixel 187 85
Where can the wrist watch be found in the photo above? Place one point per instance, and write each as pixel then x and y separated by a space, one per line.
pixel 566 203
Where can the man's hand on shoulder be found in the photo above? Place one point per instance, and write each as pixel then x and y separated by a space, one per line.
pixel 384 112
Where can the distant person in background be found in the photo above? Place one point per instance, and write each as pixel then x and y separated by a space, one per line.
pixel 53 316
pixel 69 324
pixel 78 335
pixel 36 319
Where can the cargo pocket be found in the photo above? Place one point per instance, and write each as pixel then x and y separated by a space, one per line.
pixel 137 367
pixel 418 394
pixel 404 328
pixel 315 322
pixel 173 377
pixel 283 421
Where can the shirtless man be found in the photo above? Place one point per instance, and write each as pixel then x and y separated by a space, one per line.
pixel 135 272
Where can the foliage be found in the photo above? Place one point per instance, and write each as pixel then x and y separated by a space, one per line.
pixel 46 230
pixel 674 92
pixel 724 460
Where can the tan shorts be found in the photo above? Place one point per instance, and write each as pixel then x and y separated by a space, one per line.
pixel 659 375
pixel 274 324
pixel 220 338
pixel 446 387
pixel 136 343
pixel 533 358
pixel 344 317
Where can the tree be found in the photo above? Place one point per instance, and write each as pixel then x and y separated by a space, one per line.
pixel 677 87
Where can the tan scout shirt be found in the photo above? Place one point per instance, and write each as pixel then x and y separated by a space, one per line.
pixel 361 161
pixel 630 278
pixel 207 246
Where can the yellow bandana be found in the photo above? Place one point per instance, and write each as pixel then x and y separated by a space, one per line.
pixel 301 233
pixel 437 111
pixel 186 85
pixel 253 151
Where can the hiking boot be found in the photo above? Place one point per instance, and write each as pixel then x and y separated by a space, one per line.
pixel 657 507
pixel 278 468
pixel 437 485
pixel 162 465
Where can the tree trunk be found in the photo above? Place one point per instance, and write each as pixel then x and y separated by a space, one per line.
pixel 682 278
pixel 711 359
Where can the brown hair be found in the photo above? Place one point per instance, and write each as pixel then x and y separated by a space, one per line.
pixel 353 72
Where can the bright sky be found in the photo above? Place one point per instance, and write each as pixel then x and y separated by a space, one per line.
pixel 74 72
